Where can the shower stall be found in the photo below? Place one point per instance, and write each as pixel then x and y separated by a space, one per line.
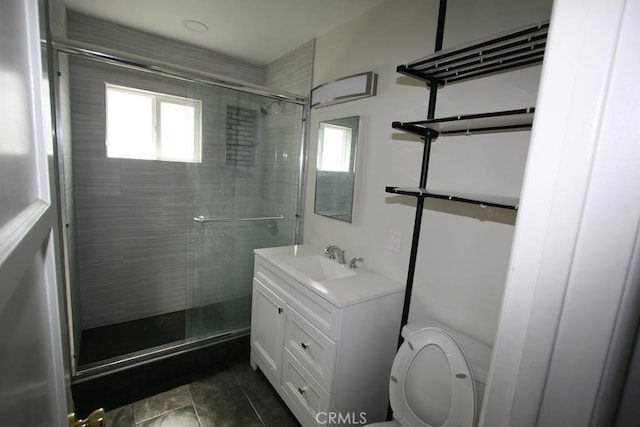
pixel 169 181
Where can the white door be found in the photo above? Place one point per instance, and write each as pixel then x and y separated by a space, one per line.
pixel 33 384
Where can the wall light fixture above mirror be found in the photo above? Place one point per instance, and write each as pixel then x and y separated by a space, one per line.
pixel 349 88
pixel 336 167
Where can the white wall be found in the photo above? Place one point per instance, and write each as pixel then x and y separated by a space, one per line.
pixel 464 250
pixel 391 34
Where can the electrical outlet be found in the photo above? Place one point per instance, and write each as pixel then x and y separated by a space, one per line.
pixel 395 241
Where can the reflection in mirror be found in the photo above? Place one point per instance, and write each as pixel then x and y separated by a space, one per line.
pixel 336 167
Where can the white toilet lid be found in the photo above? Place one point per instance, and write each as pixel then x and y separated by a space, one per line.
pixel 431 384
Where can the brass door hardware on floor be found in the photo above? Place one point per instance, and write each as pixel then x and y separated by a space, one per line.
pixel 96 419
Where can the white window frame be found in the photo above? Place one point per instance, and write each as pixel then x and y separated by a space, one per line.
pixel 158 99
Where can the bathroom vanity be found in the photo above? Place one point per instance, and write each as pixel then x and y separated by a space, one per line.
pixel 324 335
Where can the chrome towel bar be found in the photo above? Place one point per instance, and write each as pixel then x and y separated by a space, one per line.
pixel 201 219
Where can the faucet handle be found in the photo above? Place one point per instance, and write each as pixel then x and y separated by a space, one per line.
pixel 352 263
pixel 329 252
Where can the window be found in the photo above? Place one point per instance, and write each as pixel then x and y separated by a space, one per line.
pixel 152 126
pixel 334 150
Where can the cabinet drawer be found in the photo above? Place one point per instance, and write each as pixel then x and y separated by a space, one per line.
pixel 304 391
pixel 313 349
pixel 319 312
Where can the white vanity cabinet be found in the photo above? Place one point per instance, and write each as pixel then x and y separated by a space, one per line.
pixel 326 346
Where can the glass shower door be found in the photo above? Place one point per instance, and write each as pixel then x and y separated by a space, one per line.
pixel 163 210
pixel 244 195
pixel 126 194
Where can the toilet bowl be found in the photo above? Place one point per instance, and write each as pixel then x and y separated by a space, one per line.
pixel 437 378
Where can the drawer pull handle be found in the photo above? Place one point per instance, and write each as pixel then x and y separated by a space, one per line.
pixel 280 309
pixel 303 389
pixel 304 345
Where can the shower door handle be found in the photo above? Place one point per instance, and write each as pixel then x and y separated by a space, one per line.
pixel 280 310
pixel 202 219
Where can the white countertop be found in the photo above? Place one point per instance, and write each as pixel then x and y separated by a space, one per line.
pixel 341 292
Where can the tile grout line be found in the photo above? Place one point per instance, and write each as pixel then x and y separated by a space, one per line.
pixel 195 409
pixel 235 376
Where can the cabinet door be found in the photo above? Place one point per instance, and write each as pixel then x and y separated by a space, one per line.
pixel 267 328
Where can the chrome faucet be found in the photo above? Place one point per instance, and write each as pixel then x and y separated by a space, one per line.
pixel 352 263
pixel 335 252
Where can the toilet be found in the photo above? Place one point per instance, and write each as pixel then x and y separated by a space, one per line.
pixel 438 378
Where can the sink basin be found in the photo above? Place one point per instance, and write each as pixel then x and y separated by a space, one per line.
pixel 319 268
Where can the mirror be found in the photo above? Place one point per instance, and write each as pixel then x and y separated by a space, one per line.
pixel 336 167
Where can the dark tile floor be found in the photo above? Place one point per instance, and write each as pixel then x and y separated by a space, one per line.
pixel 235 396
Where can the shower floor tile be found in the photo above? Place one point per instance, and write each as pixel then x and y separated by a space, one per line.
pixel 115 340
pixel 107 342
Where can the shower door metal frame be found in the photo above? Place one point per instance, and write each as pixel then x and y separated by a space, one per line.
pixel 143 64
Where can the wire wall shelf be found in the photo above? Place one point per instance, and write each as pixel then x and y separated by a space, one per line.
pixel 499 53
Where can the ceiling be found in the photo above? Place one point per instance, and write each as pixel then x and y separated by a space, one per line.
pixel 257 31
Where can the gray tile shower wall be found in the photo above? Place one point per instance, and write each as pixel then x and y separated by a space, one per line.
pixel 140 253
pixel 130 213
pixel 96 31
pixel 293 73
